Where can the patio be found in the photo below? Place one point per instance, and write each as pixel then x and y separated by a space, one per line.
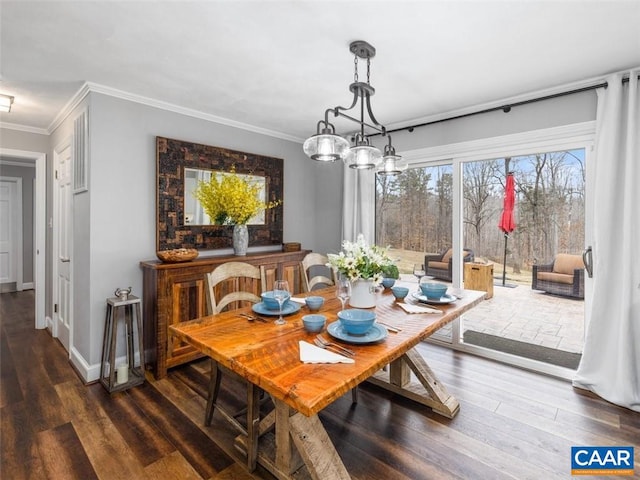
pixel 526 315
pixel 530 316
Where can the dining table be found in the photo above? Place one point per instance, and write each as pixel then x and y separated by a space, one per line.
pixel 290 440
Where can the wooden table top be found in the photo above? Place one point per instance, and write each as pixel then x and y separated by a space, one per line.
pixel 268 356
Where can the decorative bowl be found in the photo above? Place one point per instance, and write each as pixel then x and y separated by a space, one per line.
pixel 177 255
pixel 356 321
pixel 399 292
pixel 314 303
pixel 314 322
pixel 270 302
pixel 388 282
pixel 433 290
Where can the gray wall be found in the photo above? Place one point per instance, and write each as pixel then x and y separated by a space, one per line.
pixel 560 111
pixel 19 140
pixel 28 175
pixel 115 221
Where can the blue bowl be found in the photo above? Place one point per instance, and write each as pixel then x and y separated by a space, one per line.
pixel 433 290
pixel 270 302
pixel 399 292
pixel 355 321
pixel 313 323
pixel 314 303
pixel 388 282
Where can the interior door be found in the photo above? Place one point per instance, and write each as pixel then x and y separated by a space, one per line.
pixel 7 234
pixel 62 312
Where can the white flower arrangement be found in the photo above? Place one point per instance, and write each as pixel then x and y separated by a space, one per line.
pixel 357 260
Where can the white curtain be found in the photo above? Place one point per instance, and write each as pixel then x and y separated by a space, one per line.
pixel 610 365
pixel 359 205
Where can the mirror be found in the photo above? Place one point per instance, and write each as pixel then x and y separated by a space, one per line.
pixel 177 226
pixel 194 214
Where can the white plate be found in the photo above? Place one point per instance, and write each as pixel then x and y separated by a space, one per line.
pixel 448 298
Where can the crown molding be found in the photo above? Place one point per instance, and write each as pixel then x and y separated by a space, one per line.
pixel 90 87
pixel 69 106
pixel 24 128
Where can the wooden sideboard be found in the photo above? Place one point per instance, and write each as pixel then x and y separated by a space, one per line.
pixel 175 292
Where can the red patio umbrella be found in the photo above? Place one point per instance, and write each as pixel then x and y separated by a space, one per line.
pixel 507 221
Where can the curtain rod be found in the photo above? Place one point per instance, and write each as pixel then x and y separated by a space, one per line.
pixel 505 108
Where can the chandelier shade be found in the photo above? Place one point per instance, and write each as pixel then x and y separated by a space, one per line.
pixel 327 146
pixel 391 164
pixel 363 155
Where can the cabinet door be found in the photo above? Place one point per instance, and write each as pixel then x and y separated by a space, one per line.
pixel 187 303
pixel 271 274
pixel 289 271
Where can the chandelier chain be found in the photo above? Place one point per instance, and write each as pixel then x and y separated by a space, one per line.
pixel 355 66
pixel 368 71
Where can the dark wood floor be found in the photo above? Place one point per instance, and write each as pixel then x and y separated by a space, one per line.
pixel 512 423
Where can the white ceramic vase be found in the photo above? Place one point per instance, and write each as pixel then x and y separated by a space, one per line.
pixel 240 240
pixel 363 294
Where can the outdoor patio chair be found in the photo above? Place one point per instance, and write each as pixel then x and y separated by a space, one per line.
pixel 565 276
pixel 440 266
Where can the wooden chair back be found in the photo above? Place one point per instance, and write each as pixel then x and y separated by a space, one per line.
pixel 233 285
pixel 315 272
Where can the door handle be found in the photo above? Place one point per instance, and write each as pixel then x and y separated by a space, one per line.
pixel 587 258
pixel 65 259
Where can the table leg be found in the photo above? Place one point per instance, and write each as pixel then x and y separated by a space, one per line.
pixel 430 391
pixel 298 440
pixel 253 422
pixel 315 447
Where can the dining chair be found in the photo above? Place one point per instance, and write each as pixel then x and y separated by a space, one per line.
pixel 315 273
pixel 230 286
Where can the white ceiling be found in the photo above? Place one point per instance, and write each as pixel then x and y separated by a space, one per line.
pixel 277 65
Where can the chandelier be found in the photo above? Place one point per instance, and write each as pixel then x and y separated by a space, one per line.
pixel 327 146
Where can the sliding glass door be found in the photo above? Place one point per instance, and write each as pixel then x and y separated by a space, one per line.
pixel 447 209
pixel 536 318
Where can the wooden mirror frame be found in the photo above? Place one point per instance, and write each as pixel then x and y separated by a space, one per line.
pixel 172 157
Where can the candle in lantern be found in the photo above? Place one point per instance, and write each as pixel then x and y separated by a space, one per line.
pixel 122 373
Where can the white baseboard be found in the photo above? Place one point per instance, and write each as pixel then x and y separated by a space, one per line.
pixel 91 373
pixel 88 373
pixel 27 286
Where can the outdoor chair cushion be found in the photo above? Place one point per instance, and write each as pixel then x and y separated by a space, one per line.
pixel 556 277
pixel 566 263
pixel 440 265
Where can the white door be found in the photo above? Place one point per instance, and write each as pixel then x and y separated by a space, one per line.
pixel 9 209
pixel 62 312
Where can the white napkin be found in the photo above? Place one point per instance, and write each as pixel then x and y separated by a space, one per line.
pixel 409 308
pixel 297 300
pixel 312 354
